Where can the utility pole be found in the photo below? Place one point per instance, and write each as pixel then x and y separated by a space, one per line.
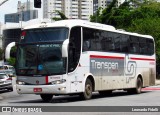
pixel 21 8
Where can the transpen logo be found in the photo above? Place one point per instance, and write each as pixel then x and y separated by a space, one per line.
pixel 104 65
pixel 130 68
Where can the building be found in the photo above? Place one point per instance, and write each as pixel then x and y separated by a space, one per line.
pixel 74 9
pixel 25 6
pixel 22 16
pixel 25 12
pixel 86 9
pixel 71 8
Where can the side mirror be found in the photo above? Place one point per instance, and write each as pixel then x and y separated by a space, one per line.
pixel 8 49
pixel 65 48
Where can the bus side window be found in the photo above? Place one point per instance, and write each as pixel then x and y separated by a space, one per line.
pixel 150 47
pixel 74 48
pixel 86 45
pixel 134 45
pixel 143 46
pixel 124 43
pixel 110 44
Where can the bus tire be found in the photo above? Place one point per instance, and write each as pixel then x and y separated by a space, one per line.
pixel 139 85
pixel 138 88
pixel 87 94
pixel 46 97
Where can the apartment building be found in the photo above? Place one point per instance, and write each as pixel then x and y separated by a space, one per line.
pixel 25 12
pixel 50 6
pixel 73 9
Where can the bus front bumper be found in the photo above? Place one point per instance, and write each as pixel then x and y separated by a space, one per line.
pixel 41 89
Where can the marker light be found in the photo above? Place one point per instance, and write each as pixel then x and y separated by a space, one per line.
pixel 58 81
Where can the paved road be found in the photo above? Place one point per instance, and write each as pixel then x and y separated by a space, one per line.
pixel 118 98
pixel 149 97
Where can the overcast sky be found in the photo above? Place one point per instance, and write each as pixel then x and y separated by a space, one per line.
pixel 11 7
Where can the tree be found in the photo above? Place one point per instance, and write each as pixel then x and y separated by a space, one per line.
pixel 140 17
pixel 103 16
pixel 97 16
pixel 12 60
pixel 149 26
pixel 62 16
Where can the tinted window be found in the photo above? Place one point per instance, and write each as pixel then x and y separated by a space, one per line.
pixel 143 45
pixel 96 40
pixel 150 47
pixel 44 35
pixel 140 45
pixel 99 40
pixel 134 45
pixel 91 39
pixel 74 48
pixel 124 43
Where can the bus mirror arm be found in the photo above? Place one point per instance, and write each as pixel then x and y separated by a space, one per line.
pixel 65 48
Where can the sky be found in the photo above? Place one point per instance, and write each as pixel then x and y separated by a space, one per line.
pixel 11 7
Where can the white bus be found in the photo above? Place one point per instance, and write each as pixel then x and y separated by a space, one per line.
pixel 80 57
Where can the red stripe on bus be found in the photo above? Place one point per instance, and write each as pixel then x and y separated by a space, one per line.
pixel 144 59
pixel 46 79
pixel 111 57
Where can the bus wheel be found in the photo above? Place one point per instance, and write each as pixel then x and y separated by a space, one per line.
pixel 46 97
pixel 87 94
pixel 139 85
pixel 105 93
pixel 138 88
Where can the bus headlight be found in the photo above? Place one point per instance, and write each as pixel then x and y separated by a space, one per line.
pixel 20 82
pixel 58 81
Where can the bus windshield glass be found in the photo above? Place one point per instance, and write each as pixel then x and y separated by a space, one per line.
pixel 44 35
pixel 40 53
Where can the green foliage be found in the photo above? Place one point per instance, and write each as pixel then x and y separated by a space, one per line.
pixel 12 61
pixel 97 16
pixel 62 16
pixel 150 26
pixel 140 17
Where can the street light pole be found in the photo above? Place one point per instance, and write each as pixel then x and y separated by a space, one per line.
pixel 21 14
pixel 22 7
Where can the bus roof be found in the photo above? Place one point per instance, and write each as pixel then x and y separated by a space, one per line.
pixel 71 23
pixel 77 22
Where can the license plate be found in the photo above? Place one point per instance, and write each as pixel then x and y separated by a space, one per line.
pixel 37 89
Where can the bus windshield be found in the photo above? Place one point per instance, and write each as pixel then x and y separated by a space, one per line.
pixel 41 56
pixel 44 35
